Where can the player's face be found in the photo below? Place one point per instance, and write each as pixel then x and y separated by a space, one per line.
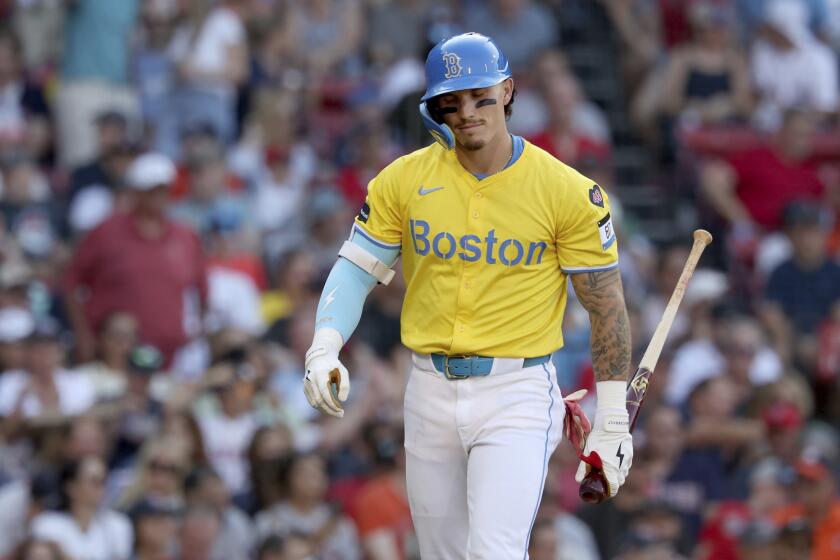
pixel 476 116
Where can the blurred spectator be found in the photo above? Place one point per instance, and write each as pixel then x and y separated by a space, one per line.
pixel 817 504
pixel 753 13
pixel 280 191
pixel 543 544
pixel 685 480
pixel 380 509
pixel 304 511
pixel 153 69
pixel 134 416
pixel 20 502
pixel 293 284
pixel 95 186
pixel 397 31
pixel 328 215
pixel 783 422
pixel 200 528
pixel 325 35
pixel 81 528
pixel 159 473
pixel 748 522
pixel 802 291
pixel 752 188
pixel 25 120
pixel 292 547
pixel 116 338
pixel 15 326
pixel 737 348
pixel 791 68
pixel 94 73
pixel 155 525
pixel 227 429
pixel 208 195
pixel 141 262
pixel 562 138
pixel 269 448
pixel 236 535
pixel 235 276
pixel 638 27
pixel 571 538
pixel 609 521
pixel 521 28
pixel 714 425
pixel 37 23
pixel 37 549
pixel 368 150
pixel 44 391
pixel 707 79
pixel 212 61
pixel 27 209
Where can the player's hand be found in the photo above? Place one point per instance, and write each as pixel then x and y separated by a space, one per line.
pixel 612 441
pixel 326 381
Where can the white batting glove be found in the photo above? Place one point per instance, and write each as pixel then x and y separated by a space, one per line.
pixel 326 382
pixel 610 437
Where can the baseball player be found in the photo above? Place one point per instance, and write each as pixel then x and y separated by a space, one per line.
pixel 489 227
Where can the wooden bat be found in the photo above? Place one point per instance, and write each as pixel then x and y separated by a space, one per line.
pixel 593 489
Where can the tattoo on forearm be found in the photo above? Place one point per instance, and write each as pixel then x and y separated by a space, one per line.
pixel 602 296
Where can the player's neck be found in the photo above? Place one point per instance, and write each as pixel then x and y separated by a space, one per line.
pixel 490 159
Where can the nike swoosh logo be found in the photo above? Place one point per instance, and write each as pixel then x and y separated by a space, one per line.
pixel 424 192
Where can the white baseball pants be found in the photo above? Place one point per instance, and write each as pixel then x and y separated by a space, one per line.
pixel 477 450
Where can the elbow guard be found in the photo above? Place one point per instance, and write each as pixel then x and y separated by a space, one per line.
pixel 367 262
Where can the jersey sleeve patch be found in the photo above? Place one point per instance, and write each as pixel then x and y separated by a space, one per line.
pixel 596 197
pixel 606 231
pixel 364 213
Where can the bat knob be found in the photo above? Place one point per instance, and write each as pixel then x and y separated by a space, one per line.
pixel 594 488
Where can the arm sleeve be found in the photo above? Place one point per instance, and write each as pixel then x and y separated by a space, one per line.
pixel 586 240
pixel 347 288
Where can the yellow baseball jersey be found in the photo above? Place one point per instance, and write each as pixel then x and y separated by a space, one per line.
pixel 486 261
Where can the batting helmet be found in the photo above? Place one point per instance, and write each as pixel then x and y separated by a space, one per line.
pixel 465 61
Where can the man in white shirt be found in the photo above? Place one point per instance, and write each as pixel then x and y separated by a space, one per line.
pixel 791 67
pixel 44 389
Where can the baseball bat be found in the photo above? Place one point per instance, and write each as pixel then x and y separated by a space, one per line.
pixel 593 489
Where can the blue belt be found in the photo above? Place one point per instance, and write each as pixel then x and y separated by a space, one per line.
pixel 461 367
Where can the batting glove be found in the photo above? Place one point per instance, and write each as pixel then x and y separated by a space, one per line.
pixel 326 382
pixel 609 446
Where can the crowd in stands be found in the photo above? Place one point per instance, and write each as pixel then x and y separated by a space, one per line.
pixel 177 176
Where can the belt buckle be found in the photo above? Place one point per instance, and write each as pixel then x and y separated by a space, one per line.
pixel 446 368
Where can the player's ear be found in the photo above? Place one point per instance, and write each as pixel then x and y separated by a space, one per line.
pixel 507 91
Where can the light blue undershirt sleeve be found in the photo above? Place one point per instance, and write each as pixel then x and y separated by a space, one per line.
pixel 347 287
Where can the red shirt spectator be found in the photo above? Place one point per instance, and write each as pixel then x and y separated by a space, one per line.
pixel 578 149
pixel 139 262
pixel 752 187
pixel 766 183
pixel 380 506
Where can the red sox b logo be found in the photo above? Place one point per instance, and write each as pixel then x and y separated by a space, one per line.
pixel 453 65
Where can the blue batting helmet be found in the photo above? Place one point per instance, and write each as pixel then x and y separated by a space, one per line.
pixel 465 61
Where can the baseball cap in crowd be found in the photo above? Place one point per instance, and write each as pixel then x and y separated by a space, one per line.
pixel 15 324
pixel 145 359
pixel 812 467
pixel 149 171
pixel 149 507
pixel 803 213
pixel 782 416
